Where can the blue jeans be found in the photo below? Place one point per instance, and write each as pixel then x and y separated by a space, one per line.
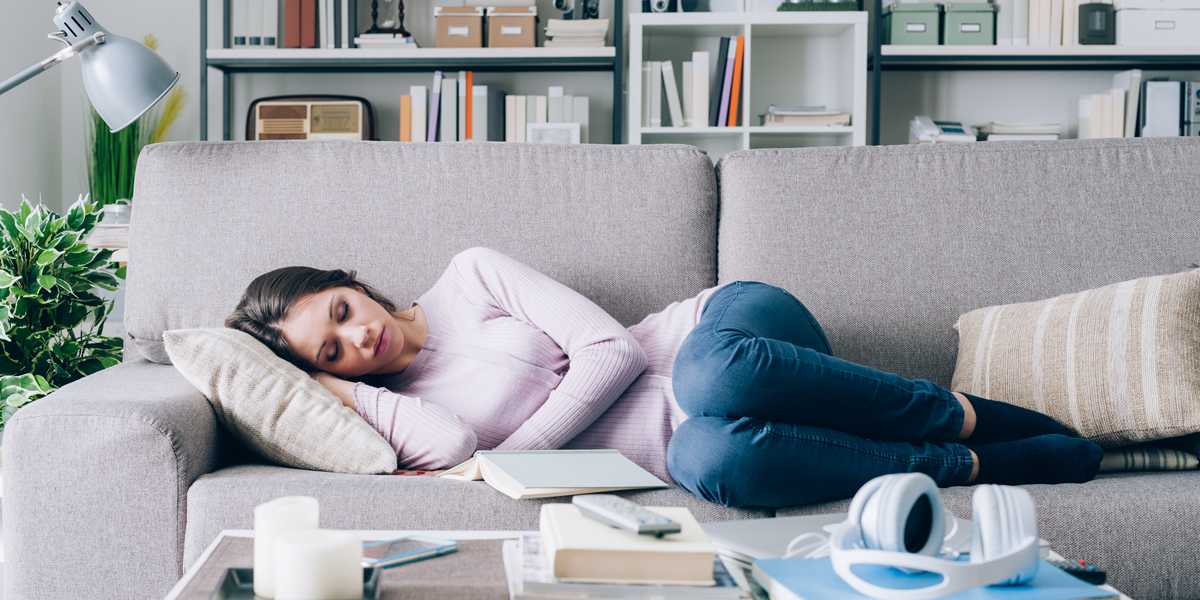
pixel 775 420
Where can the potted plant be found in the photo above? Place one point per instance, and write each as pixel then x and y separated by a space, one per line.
pixel 51 317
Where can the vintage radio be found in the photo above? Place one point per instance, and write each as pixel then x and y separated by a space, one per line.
pixel 310 118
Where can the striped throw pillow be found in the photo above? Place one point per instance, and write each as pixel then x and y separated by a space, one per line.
pixel 1147 459
pixel 1118 364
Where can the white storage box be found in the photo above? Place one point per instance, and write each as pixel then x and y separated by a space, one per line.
pixel 1157 22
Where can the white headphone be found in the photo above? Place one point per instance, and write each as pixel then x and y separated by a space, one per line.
pixel 898 521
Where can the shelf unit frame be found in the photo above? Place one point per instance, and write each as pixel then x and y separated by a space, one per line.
pixel 849 27
pixel 230 61
pixel 1011 58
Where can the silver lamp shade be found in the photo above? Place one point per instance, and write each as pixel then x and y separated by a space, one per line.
pixel 123 78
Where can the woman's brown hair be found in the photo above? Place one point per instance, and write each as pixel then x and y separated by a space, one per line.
pixel 268 299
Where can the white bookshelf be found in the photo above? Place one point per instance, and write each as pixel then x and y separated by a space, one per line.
pixel 791 58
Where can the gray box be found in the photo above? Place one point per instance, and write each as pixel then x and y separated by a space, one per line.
pixel 912 24
pixel 969 24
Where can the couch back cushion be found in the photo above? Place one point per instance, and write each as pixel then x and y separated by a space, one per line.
pixel 889 245
pixel 631 227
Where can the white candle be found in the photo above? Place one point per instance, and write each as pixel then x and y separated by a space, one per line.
pixel 320 564
pixel 271 520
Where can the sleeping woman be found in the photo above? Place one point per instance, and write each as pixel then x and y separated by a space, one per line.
pixel 733 394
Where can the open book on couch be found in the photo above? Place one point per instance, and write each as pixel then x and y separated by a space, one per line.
pixel 546 473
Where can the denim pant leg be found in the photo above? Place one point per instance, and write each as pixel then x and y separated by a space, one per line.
pixel 758 352
pixel 776 421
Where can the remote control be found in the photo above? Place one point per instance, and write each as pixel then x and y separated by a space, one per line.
pixel 622 513
pixel 1081 570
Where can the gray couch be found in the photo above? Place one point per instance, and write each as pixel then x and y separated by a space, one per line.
pixel 116 483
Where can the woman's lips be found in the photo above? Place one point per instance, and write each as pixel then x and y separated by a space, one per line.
pixel 381 343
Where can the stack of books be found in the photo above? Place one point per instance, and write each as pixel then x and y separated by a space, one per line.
pixel 683 105
pixel 1114 113
pixel 999 131
pixel 529 577
pixel 456 109
pixel 254 24
pixel 811 116
pixel 575 556
pixel 582 33
pixel 385 40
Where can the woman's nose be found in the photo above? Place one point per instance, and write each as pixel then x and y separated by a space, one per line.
pixel 360 336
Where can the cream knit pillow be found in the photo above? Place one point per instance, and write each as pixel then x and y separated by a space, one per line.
pixel 274 407
pixel 1118 364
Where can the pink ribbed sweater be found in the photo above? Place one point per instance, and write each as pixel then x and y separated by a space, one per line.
pixel 517 361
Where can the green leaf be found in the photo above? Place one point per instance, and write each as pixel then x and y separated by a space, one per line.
pixel 47 281
pixel 121 272
pixel 25 209
pixel 7 279
pixel 48 256
pixel 10 224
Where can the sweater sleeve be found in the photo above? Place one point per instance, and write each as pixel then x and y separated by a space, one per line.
pixel 604 357
pixel 424 435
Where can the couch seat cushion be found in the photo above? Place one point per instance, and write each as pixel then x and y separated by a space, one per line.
pixel 226 499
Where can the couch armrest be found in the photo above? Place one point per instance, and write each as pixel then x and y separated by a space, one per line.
pixel 95 484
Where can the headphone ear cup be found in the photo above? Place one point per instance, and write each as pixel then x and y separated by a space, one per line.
pixel 1004 519
pixel 905 515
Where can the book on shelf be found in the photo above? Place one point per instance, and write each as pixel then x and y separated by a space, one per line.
pixel 270 18
pixel 717 84
pixel 497 113
pixel 540 109
pixel 406 118
pixel 291 23
pixel 561 44
pixel 735 89
pixel 478 118
pixel 522 111
pixel 581 549
pixel 419 107
pixel 322 23
pixel 568 107
pixel 646 93
pixel 810 120
pixel 656 93
pixel 816 109
pixel 1020 18
pixel 239 24
pixel 529 577
pixel 1018 137
pixel 730 56
pixel 685 90
pixel 580 33
pixel 699 89
pixel 676 112
pixel 254 24
pixel 554 105
pixel 1131 82
pixel 448 129
pixel 1011 127
pixel 464 104
pixel 547 473
pixel 580 113
pixel 435 102
pixel 308 23
pixel 815 579
pixel 386 40
pixel 1056 22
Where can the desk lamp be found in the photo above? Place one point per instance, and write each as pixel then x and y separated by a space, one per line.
pixel 123 78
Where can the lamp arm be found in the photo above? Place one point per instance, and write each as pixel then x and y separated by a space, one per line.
pixel 60 56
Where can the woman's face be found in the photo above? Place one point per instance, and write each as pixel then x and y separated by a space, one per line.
pixel 342 331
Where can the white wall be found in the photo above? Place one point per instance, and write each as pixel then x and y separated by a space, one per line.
pixel 29 114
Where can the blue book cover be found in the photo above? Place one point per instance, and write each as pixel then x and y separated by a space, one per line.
pixel 814 578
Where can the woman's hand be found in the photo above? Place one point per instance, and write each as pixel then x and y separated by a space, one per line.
pixel 341 388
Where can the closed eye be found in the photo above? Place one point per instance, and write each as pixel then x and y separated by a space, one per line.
pixel 345 312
